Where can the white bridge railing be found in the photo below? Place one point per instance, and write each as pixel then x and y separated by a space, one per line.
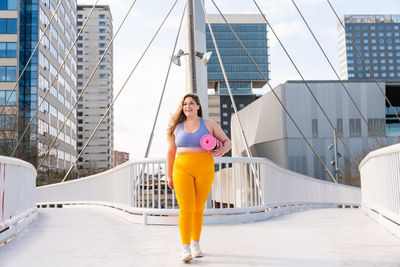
pixel 380 183
pixel 140 187
pixel 17 200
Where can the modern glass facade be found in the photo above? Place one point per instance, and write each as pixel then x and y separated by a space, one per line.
pixel 393 94
pixel 377 38
pixel 241 72
pixel 28 85
pixel 22 24
pixel 243 76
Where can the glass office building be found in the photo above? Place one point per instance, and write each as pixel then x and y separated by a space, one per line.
pixel 377 38
pixel 22 24
pixel 243 76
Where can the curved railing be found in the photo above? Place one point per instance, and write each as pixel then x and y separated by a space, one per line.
pixel 17 200
pixel 380 184
pixel 244 189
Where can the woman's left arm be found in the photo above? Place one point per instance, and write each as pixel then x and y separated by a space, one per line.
pixel 221 136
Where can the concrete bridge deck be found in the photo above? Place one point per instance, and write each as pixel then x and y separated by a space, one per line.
pixel 82 236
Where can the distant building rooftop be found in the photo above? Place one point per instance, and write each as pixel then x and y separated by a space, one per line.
pixel 236 18
pixel 372 18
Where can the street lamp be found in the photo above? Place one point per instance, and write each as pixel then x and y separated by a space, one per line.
pixel 205 57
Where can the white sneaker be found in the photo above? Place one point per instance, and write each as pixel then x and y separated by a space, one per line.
pixel 195 248
pixel 186 253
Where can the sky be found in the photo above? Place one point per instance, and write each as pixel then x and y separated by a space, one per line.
pixel 135 108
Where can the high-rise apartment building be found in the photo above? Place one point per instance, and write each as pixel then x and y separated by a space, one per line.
pixel 22 23
pixel 98 95
pixel 242 74
pixel 377 37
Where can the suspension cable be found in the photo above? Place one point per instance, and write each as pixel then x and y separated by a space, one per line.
pixel 165 84
pixel 53 81
pixel 275 94
pixel 337 75
pixel 87 83
pixel 356 163
pixel 30 58
pixel 227 84
pixel 364 62
pixel 119 92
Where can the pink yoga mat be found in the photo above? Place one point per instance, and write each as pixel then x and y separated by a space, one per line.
pixel 209 142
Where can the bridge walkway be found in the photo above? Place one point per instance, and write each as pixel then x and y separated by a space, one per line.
pixel 88 236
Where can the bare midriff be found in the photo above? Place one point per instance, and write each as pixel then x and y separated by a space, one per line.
pixel 190 150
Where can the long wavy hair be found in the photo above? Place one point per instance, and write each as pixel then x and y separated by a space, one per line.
pixel 179 116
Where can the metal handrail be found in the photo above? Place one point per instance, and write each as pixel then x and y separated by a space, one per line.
pixel 17 196
pixel 380 186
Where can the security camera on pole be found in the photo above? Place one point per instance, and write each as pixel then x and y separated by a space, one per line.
pixel 335 162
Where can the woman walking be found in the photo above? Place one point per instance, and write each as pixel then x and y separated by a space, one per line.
pixel 191 168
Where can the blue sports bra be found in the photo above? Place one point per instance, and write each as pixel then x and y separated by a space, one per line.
pixel 183 139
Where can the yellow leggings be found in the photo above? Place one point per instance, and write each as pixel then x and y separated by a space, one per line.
pixel 193 175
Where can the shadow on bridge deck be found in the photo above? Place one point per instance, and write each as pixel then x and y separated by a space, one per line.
pixel 79 236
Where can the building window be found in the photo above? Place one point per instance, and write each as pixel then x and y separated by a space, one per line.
pixel 339 126
pixel 8 4
pixel 8 50
pixel 102 23
pixel 5 94
pixel 102 30
pixel 7 122
pixel 8 26
pixel 355 127
pixel 102 76
pixel 102 38
pixel 314 125
pixel 8 74
pixel 101 52
pixel 102 16
pixel 102 45
pixel 225 123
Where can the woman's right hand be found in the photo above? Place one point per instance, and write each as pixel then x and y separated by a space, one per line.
pixel 171 183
